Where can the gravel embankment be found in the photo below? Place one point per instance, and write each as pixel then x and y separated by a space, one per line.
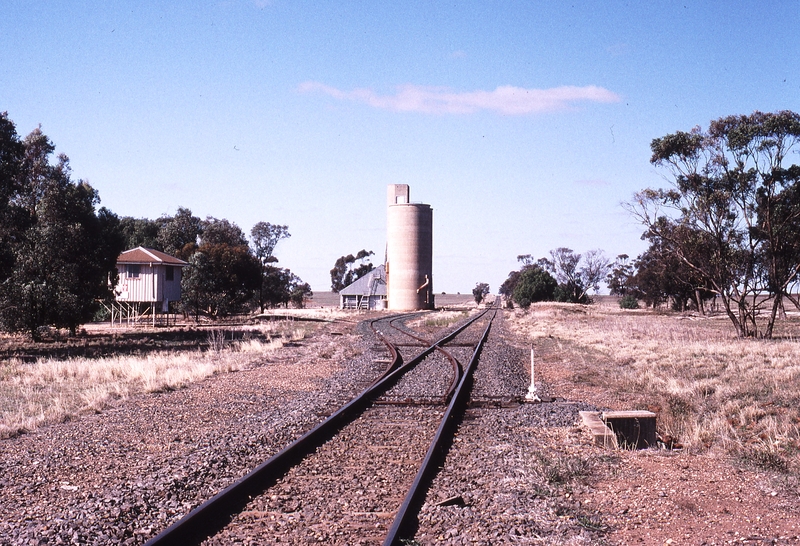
pixel 120 476
pixel 509 483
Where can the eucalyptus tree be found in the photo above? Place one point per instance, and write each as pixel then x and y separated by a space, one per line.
pixel 576 273
pixel 480 292
pixel 265 237
pixel 732 213
pixel 140 232
pixel 223 274
pixel 345 271
pixel 179 235
pixel 58 248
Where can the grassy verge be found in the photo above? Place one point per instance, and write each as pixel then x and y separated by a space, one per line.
pixel 709 388
pixel 51 390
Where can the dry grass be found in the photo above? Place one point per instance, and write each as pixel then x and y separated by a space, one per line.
pixel 439 319
pixel 51 390
pixel 708 387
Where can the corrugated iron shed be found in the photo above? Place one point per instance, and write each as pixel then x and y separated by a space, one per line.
pixel 371 284
pixel 368 292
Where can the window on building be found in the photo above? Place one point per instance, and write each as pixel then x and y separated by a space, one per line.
pixel 170 275
pixel 134 270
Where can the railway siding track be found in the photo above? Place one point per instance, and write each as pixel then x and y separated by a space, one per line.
pixel 122 475
pixel 245 496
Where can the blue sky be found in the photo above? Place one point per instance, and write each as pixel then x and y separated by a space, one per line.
pixel 523 124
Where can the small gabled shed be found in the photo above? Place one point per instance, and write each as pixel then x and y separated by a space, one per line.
pixel 149 276
pixel 367 292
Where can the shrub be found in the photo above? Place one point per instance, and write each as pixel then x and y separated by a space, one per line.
pixel 629 302
pixel 535 284
pixel 571 292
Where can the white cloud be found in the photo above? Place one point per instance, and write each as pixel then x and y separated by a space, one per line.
pixel 505 99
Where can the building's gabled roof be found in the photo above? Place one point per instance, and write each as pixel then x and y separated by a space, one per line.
pixel 371 284
pixel 142 255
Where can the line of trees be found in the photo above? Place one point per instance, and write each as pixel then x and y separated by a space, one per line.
pixel 56 246
pixel 726 231
pixel 226 274
pixel 58 249
pixel 565 277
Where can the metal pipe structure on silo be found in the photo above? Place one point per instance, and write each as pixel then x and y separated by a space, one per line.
pixel 409 252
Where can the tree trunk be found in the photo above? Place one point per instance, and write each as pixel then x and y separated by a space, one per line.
pixel 776 304
pixel 699 301
pixel 741 329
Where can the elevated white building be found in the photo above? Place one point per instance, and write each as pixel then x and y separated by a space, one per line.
pixel 148 281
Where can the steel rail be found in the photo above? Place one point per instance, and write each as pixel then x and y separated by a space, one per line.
pixel 396 358
pixel 403 524
pixel 458 370
pixel 212 515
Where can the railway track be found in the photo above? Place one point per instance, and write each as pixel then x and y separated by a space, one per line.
pixel 343 481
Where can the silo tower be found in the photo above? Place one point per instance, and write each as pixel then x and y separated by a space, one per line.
pixel 409 251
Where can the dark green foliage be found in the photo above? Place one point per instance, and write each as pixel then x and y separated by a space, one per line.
pixel 534 284
pixel 629 302
pixel 276 286
pixel 299 292
pixel 11 218
pixel 265 238
pixel 223 275
pixel 226 277
pixel 179 235
pixel 662 276
pixel 282 287
pixel 216 231
pixel 619 278
pixel 480 291
pixel 140 232
pixel 576 273
pixel 221 280
pixel 571 276
pixel 507 288
pixel 571 292
pixel 345 271
pixel 57 250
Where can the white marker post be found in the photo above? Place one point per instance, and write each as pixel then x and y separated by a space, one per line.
pixel 532 396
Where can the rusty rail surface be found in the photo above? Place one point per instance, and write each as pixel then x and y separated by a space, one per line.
pixel 405 521
pixel 212 515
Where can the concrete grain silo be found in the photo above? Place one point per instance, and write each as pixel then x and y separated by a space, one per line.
pixel 409 251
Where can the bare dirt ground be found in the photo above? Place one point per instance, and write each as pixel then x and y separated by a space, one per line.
pixel 660 496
